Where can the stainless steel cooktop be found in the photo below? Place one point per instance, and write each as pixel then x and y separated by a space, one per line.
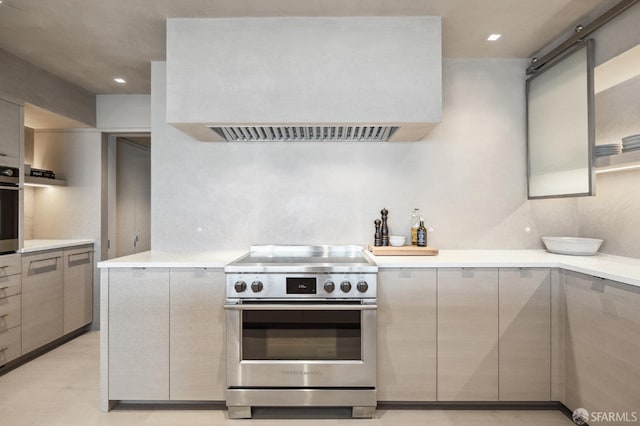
pixel 270 258
pixel 302 272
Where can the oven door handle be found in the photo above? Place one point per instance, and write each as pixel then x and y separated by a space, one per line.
pixel 298 307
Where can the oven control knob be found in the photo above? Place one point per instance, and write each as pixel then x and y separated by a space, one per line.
pixel 329 286
pixel 240 286
pixel 257 286
pixel 362 286
pixel 345 286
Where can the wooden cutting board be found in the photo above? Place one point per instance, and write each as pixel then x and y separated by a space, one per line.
pixel 403 251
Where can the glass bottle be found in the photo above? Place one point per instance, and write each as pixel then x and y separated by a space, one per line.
pixel 415 223
pixel 422 234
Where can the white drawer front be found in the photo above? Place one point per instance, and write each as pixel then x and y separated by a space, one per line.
pixel 10 312
pixel 10 264
pixel 10 285
pixel 10 345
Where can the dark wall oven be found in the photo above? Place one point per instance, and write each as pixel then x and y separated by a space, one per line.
pixel 9 211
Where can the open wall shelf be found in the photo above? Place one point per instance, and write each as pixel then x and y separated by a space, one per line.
pixel 40 182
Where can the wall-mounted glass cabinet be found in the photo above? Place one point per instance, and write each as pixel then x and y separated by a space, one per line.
pixel 561 126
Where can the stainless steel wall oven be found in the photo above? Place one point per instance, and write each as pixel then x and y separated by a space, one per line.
pixel 301 329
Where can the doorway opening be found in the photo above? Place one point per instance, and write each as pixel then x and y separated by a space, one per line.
pixel 129 194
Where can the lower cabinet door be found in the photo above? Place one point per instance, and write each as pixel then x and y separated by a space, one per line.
pixel 78 288
pixel 603 348
pixel 42 299
pixel 525 334
pixel 197 350
pixel 138 334
pixel 468 334
pixel 406 335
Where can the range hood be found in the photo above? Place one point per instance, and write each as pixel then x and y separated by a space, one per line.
pixel 304 79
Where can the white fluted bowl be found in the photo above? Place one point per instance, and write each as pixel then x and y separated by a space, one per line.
pixel 397 240
pixel 572 245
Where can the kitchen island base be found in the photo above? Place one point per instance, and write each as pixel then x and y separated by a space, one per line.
pixel 240 401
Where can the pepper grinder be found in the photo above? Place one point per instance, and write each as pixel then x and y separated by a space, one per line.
pixel 384 230
pixel 377 237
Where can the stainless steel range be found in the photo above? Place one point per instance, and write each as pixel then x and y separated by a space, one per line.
pixel 301 329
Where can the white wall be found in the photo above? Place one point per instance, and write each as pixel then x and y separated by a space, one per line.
pixel 123 112
pixel 468 177
pixel 74 211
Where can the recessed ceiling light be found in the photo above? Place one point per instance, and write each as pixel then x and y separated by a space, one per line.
pixel 120 80
pixel 494 37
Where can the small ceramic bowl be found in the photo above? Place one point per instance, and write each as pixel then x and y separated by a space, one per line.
pixel 397 240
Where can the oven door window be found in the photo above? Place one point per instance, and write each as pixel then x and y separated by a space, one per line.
pixel 301 335
pixel 9 214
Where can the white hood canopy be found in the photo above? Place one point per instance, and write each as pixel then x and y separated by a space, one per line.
pixel 355 79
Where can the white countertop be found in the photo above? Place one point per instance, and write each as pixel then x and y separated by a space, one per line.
pixel 622 269
pixel 159 259
pixel 31 246
pixel 617 268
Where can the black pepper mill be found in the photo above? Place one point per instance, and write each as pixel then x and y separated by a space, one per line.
pixel 384 230
pixel 377 237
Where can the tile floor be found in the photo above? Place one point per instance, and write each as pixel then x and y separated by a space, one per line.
pixel 61 388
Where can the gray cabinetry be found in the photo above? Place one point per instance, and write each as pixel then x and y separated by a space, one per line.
pixel 78 287
pixel 138 334
pixel 10 307
pixel 197 365
pixel 407 335
pixel 603 345
pixel 42 299
pixel 10 133
pixel 165 334
pixel 525 334
pixel 468 334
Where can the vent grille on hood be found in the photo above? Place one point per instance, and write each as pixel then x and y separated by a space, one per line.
pixel 306 133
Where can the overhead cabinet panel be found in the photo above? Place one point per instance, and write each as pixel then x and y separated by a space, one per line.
pixel 10 133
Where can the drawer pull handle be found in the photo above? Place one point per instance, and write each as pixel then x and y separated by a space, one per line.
pixel 2 154
pixel 4 348
pixel 45 260
pixel 4 288
pixel 4 315
pixel 84 253
pixel 4 266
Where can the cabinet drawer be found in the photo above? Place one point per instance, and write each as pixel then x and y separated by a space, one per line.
pixel 41 263
pixel 10 345
pixel 77 253
pixel 10 264
pixel 10 285
pixel 10 312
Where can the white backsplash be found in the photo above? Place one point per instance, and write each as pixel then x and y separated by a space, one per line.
pixel 468 177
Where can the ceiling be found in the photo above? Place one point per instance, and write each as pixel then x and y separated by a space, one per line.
pixel 89 42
